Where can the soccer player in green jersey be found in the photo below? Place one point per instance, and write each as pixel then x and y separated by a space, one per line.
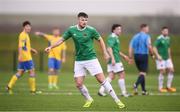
pixel 85 58
pixel 115 65
pixel 164 61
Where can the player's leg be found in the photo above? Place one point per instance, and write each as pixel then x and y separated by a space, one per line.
pixel 110 77
pixel 122 85
pixel 161 67
pixel 32 80
pixel 94 67
pixel 142 65
pixel 139 79
pixel 83 90
pixel 51 72
pixel 13 80
pixel 79 75
pixel 170 70
pixel 101 79
pixel 55 76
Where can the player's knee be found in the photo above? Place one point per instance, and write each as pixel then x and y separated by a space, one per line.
pixel 121 75
pixel 51 71
pixel 162 71
pixel 79 84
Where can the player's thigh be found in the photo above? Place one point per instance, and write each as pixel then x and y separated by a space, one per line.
pixel 79 69
pixel 169 65
pixel 32 72
pixel 93 66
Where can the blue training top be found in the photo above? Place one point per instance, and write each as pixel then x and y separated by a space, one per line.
pixel 140 43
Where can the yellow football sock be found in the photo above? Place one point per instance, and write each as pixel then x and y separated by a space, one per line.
pixel 50 79
pixel 55 79
pixel 32 83
pixel 12 81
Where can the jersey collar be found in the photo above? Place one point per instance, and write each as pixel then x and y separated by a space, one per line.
pixel 80 29
pixel 114 35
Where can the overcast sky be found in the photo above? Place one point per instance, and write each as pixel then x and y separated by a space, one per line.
pixel 96 7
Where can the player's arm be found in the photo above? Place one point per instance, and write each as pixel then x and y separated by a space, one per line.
pixel 157 54
pixel 125 57
pixel 34 51
pixel 59 42
pixel 41 34
pixel 131 52
pixel 63 55
pixel 169 53
pixel 150 48
pixel 110 51
pixel 103 47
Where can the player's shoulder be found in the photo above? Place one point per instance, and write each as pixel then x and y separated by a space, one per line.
pixel 112 35
pixel 90 28
pixel 160 37
pixel 72 27
pixel 23 35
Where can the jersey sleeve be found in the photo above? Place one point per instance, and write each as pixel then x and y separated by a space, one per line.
pixel 110 42
pixel 95 34
pixel 67 34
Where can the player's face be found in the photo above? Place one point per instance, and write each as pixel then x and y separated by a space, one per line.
pixel 27 28
pixel 82 22
pixel 56 32
pixel 146 29
pixel 118 30
pixel 165 32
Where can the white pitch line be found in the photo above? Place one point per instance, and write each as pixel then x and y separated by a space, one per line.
pixel 93 94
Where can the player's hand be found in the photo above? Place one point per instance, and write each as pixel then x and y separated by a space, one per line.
pixel 126 58
pixel 113 62
pixel 47 49
pixel 130 61
pixel 159 58
pixel 106 56
pixel 37 33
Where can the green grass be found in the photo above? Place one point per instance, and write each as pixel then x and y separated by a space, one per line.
pixel 67 98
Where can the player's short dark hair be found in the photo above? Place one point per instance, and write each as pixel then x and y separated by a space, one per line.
pixel 56 28
pixel 114 26
pixel 143 25
pixel 82 14
pixel 164 27
pixel 26 23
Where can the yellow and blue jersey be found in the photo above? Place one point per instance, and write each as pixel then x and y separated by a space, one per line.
pixel 25 45
pixel 26 58
pixel 57 51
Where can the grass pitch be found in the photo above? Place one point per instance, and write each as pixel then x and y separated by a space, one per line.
pixel 68 98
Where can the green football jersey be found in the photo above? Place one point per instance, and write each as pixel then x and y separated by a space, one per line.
pixel 114 43
pixel 162 44
pixel 83 40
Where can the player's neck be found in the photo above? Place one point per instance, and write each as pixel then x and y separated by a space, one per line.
pixel 25 31
pixel 80 27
